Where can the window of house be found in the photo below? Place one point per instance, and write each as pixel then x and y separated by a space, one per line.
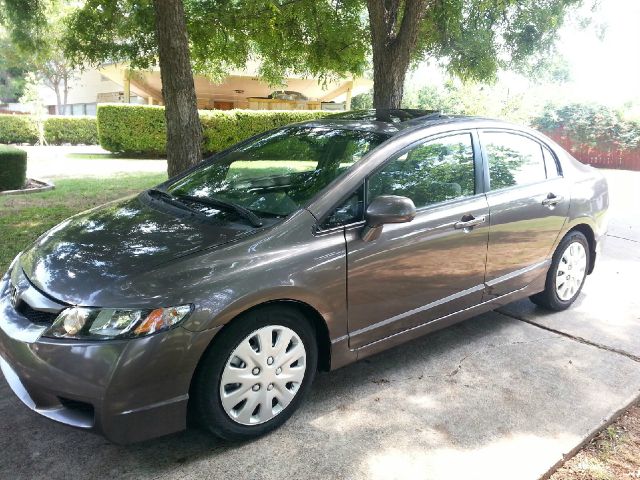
pixel 90 109
pixel 77 109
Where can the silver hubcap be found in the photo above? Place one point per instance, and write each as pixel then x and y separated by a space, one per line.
pixel 263 375
pixel 571 271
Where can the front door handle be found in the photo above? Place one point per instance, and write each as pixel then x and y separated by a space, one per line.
pixel 469 221
pixel 552 200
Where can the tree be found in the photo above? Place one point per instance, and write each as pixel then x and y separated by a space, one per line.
pixel 472 39
pixel 318 39
pixel 308 37
pixel 55 72
pixel 184 132
pixel 36 29
pixel 12 72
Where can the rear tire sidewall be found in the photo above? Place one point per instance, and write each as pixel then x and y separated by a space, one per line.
pixel 549 297
pixel 206 402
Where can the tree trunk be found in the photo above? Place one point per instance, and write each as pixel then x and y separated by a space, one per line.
pixel 389 72
pixel 56 88
pixel 394 27
pixel 184 131
pixel 65 90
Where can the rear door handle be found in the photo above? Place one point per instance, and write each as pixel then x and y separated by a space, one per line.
pixel 552 200
pixel 469 221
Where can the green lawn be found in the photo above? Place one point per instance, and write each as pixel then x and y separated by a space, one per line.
pixel 24 217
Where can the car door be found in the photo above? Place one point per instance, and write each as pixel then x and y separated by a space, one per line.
pixel 419 271
pixel 528 202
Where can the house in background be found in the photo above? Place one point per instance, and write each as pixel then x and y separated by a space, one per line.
pixel 115 83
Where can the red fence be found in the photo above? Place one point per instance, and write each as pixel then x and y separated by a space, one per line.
pixel 599 157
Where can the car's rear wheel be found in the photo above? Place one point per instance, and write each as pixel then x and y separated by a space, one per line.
pixel 567 273
pixel 256 373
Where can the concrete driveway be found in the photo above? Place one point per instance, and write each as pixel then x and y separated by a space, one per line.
pixel 503 395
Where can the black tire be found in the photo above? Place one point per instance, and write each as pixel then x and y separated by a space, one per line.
pixel 205 402
pixel 549 298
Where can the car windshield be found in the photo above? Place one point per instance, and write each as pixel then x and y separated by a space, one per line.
pixel 279 172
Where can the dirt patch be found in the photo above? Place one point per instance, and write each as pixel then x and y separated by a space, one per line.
pixel 614 454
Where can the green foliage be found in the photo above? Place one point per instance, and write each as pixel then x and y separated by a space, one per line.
pixel 307 37
pixel 57 130
pixel 140 129
pixel 13 168
pixel 12 72
pixel 73 130
pixel 474 39
pixel 222 129
pixel 590 125
pixel 18 129
pixel 363 101
pixel 36 29
pixel 27 21
pixel 494 100
pixel 133 129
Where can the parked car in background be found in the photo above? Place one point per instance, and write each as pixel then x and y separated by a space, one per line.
pixel 223 291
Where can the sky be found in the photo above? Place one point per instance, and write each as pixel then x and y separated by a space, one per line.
pixel 607 70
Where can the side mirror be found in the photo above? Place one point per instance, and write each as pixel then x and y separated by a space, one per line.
pixel 386 209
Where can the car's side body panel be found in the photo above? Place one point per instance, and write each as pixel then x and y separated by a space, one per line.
pixel 416 272
pixel 522 232
pixel 536 285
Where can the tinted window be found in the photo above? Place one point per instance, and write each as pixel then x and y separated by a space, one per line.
pixel 432 172
pixel 513 159
pixel 280 171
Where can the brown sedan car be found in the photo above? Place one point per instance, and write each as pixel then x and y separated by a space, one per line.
pixel 222 291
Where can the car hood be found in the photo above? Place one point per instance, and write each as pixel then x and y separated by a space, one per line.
pixel 102 248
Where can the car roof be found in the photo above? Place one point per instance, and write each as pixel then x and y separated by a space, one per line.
pixel 394 121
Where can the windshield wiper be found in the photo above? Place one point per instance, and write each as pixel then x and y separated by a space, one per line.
pixel 171 200
pixel 214 202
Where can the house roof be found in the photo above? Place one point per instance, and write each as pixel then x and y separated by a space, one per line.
pixel 236 87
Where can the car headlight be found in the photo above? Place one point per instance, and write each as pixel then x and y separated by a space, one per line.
pixel 110 323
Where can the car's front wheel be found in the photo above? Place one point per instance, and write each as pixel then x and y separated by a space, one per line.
pixel 567 273
pixel 255 374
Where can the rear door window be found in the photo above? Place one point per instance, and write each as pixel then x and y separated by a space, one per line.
pixel 513 159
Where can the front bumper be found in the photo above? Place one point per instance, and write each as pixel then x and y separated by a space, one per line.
pixel 126 390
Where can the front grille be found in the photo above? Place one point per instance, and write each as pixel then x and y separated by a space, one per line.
pixel 35 316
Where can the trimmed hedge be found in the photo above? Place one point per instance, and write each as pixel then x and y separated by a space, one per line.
pixel 13 168
pixel 18 129
pixel 57 130
pixel 133 129
pixel 140 129
pixel 73 130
